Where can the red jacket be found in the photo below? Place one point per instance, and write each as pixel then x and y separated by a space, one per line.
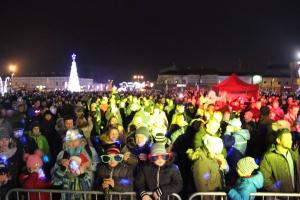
pixel 32 181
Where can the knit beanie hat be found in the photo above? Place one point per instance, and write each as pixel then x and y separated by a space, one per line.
pixel 112 149
pixel 246 165
pixel 143 131
pixel 213 144
pixel 35 124
pixel 158 148
pixel 73 134
pixel 34 161
pixel 160 138
pixel 4 133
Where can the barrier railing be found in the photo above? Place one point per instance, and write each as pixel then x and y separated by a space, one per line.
pixel 271 195
pixel 262 195
pixel 29 194
pixel 209 195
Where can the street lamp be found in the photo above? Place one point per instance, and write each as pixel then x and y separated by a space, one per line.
pixel 138 77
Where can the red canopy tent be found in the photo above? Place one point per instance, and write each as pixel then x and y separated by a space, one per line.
pixel 233 85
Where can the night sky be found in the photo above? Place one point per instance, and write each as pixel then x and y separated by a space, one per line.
pixel 115 39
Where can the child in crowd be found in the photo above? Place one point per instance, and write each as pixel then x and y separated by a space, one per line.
pixel 235 140
pixel 138 146
pixel 114 175
pixel 73 165
pixel 248 182
pixel 34 177
pixel 40 139
pixel 159 176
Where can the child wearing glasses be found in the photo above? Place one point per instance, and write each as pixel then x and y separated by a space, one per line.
pixel 72 170
pixel 114 175
pixel 160 176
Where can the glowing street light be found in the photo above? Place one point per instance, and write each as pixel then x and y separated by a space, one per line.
pixel 12 68
pixel 138 77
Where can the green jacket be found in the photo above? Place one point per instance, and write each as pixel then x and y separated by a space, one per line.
pixel 41 142
pixel 206 172
pixel 275 169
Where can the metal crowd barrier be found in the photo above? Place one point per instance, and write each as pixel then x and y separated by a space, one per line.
pixel 209 195
pixel 19 194
pixel 259 195
pixel 271 195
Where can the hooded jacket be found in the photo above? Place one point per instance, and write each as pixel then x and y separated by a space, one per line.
pixel 164 180
pixel 245 186
pixel 277 177
pixel 237 140
pixel 206 172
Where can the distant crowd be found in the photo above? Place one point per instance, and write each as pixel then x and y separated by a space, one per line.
pixel 149 142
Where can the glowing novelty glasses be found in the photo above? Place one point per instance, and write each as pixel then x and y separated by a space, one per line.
pixel 154 158
pixel 107 158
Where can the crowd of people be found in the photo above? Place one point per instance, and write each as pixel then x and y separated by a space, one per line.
pixel 149 142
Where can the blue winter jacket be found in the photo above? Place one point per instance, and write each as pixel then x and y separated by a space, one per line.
pixel 237 140
pixel 245 186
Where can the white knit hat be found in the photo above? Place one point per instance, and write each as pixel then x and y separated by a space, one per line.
pixel 213 144
pixel 73 134
pixel 246 165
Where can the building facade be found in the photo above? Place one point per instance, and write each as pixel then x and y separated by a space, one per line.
pixel 47 83
pixel 274 78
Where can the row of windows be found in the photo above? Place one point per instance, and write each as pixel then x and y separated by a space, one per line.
pixel 279 82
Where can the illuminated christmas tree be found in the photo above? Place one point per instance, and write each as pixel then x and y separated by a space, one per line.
pixel 73 84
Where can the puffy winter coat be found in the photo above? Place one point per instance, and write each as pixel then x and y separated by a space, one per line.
pixel 122 175
pixel 237 140
pixel 32 181
pixel 135 150
pixel 164 180
pixel 64 178
pixel 245 186
pixel 206 172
